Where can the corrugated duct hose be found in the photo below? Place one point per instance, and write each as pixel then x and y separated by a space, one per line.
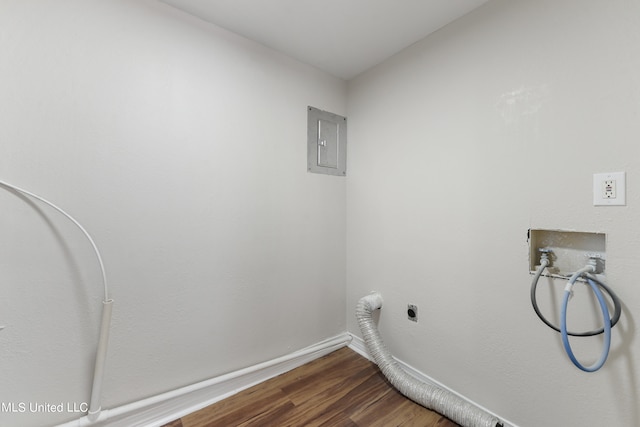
pixel 427 395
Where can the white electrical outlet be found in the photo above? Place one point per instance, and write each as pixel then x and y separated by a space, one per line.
pixel 609 189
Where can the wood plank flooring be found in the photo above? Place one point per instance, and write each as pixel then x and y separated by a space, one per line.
pixel 341 389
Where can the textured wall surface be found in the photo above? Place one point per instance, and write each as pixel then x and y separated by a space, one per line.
pixel 182 149
pixel 460 144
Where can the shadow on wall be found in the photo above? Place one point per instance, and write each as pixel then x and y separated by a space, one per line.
pixel 623 351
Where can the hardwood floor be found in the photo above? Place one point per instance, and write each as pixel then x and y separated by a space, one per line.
pixel 341 389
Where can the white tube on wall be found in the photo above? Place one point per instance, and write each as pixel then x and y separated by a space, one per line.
pixel 103 341
pixel 101 355
pixel 427 395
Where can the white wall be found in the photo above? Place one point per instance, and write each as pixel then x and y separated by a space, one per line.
pixel 182 149
pixel 461 143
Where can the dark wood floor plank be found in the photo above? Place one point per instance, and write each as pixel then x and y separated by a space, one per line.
pixel 315 410
pixel 342 389
pixel 238 409
pixel 327 374
pixel 363 395
pixel 270 417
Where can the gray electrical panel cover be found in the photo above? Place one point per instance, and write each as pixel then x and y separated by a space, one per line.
pixel 326 142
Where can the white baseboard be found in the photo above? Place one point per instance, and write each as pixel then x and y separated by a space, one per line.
pixel 164 408
pixel 161 409
pixel 357 345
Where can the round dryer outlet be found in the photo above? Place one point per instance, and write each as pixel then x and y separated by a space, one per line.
pixel 412 312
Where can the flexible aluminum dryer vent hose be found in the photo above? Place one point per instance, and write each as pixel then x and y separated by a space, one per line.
pixel 427 395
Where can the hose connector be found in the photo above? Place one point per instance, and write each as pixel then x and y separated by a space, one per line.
pixel 545 256
pixel 596 261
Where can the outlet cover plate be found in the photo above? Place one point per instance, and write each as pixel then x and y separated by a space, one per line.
pixel 609 189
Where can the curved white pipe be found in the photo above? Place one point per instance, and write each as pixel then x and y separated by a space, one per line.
pixel 76 223
pixel 101 353
pixel 430 396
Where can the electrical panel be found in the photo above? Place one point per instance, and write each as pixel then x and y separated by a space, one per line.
pixel 326 142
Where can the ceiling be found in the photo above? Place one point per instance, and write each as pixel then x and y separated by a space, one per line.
pixel 342 37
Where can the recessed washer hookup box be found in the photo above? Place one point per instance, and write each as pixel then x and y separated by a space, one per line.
pixel 570 250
